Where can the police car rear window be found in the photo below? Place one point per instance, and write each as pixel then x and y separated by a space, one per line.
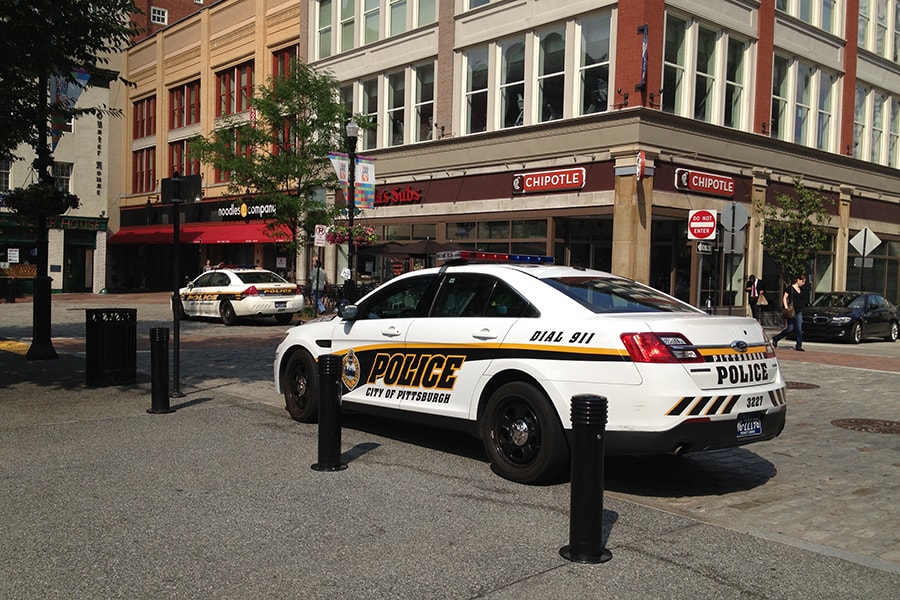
pixel 608 295
pixel 259 277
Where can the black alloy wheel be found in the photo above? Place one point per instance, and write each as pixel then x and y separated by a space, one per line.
pixel 523 436
pixel 300 385
pixel 226 311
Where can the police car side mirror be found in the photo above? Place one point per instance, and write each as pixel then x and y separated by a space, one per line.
pixel 349 312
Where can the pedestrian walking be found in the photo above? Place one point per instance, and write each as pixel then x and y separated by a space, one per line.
pixel 755 296
pixel 318 280
pixel 793 301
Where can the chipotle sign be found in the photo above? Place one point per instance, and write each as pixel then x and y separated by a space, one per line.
pixel 549 181
pixel 687 180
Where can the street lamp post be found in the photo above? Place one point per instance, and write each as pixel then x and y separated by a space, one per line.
pixel 352 136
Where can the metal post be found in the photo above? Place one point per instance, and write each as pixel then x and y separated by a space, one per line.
pixel 329 414
pixel 586 500
pixel 176 296
pixel 159 371
pixel 352 136
pixel 41 345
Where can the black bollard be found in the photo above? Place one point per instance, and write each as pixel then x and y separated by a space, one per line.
pixel 586 500
pixel 159 371
pixel 329 414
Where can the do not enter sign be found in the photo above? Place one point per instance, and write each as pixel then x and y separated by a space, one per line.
pixel 702 225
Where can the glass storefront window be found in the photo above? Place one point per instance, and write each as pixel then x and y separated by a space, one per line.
pixel 424 231
pixel 493 230
pixel 536 228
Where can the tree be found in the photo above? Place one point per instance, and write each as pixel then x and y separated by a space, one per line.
pixel 281 154
pixel 794 228
pixel 39 38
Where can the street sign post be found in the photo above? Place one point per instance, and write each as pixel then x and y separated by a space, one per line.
pixel 864 242
pixel 702 225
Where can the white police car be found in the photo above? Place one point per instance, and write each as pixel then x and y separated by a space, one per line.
pixel 230 294
pixel 500 349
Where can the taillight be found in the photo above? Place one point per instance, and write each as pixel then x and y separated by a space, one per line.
pixel 660 348
pixel 250 291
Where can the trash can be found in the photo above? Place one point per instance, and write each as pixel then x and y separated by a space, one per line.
pixel 111 346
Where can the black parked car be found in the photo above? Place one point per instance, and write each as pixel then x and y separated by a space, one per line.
pixel 850 317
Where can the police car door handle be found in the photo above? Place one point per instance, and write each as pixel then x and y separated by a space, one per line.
pixel 485 334
pixel 390 331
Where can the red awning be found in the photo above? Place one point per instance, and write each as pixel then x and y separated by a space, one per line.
pixel 197 233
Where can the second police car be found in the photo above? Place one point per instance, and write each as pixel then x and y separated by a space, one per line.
pixel 500 349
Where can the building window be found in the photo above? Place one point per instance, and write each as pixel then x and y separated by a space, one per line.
pixel 710 86
pixel 879 28
pixel 534 78
pixel 324 29
pixel 184 105
pixel 819 13
pixel 674 65
pixel 180 159
pixel 370 109
pixel 512 82
pixel 159 16
pixel 372 20
pixel 336 22
pixel 427 13
pixel 397 14
pixel 396 107
pixel 807 93
pixel 525 237
pixel 144 113
pixel 476 90
pixel 734 84
pixel 424 104
pixel 5 169
pixel 348 25
pixel 594 65
pixel 143 169
pixel 705 78
pixel 62 175
pixel 876 126
pixel 346 94
pixel 477 3
pixel 243 150
pixel 894 141
pixel 282 59
pixel 234 89
pixel 551 74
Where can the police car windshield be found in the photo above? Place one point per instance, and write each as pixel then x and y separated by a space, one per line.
pixel 607 295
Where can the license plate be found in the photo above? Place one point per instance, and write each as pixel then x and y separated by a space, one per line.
pixel 281 304
pixel 749 426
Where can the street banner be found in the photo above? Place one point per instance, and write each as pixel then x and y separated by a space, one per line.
pixel 64 95
pixel 364 183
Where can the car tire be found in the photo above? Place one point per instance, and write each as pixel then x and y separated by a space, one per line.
pixel 523 436
pixel 300 384
pixel 284 318
pixel 856 333
pixel 226 311
pixel 894 332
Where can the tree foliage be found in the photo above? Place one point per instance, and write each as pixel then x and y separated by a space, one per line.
pixel 795 228
pixel 43 37
pixel 281 155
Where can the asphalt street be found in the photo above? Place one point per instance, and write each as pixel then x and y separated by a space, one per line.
pixel 100 499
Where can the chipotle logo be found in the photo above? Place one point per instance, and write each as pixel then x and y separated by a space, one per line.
pixel 397 195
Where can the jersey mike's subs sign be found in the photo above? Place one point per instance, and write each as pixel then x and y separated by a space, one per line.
pixel 549 181
pixel 698 182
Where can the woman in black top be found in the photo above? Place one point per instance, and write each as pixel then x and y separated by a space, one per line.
pixel 793 296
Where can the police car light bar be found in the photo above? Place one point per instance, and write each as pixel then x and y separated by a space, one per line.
pixel 471 255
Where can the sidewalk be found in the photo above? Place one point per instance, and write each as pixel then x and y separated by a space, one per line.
pixel 98 498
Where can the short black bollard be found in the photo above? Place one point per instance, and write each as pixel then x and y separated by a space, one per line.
pixel 586 502
pixel 329 414
pixel 159 371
